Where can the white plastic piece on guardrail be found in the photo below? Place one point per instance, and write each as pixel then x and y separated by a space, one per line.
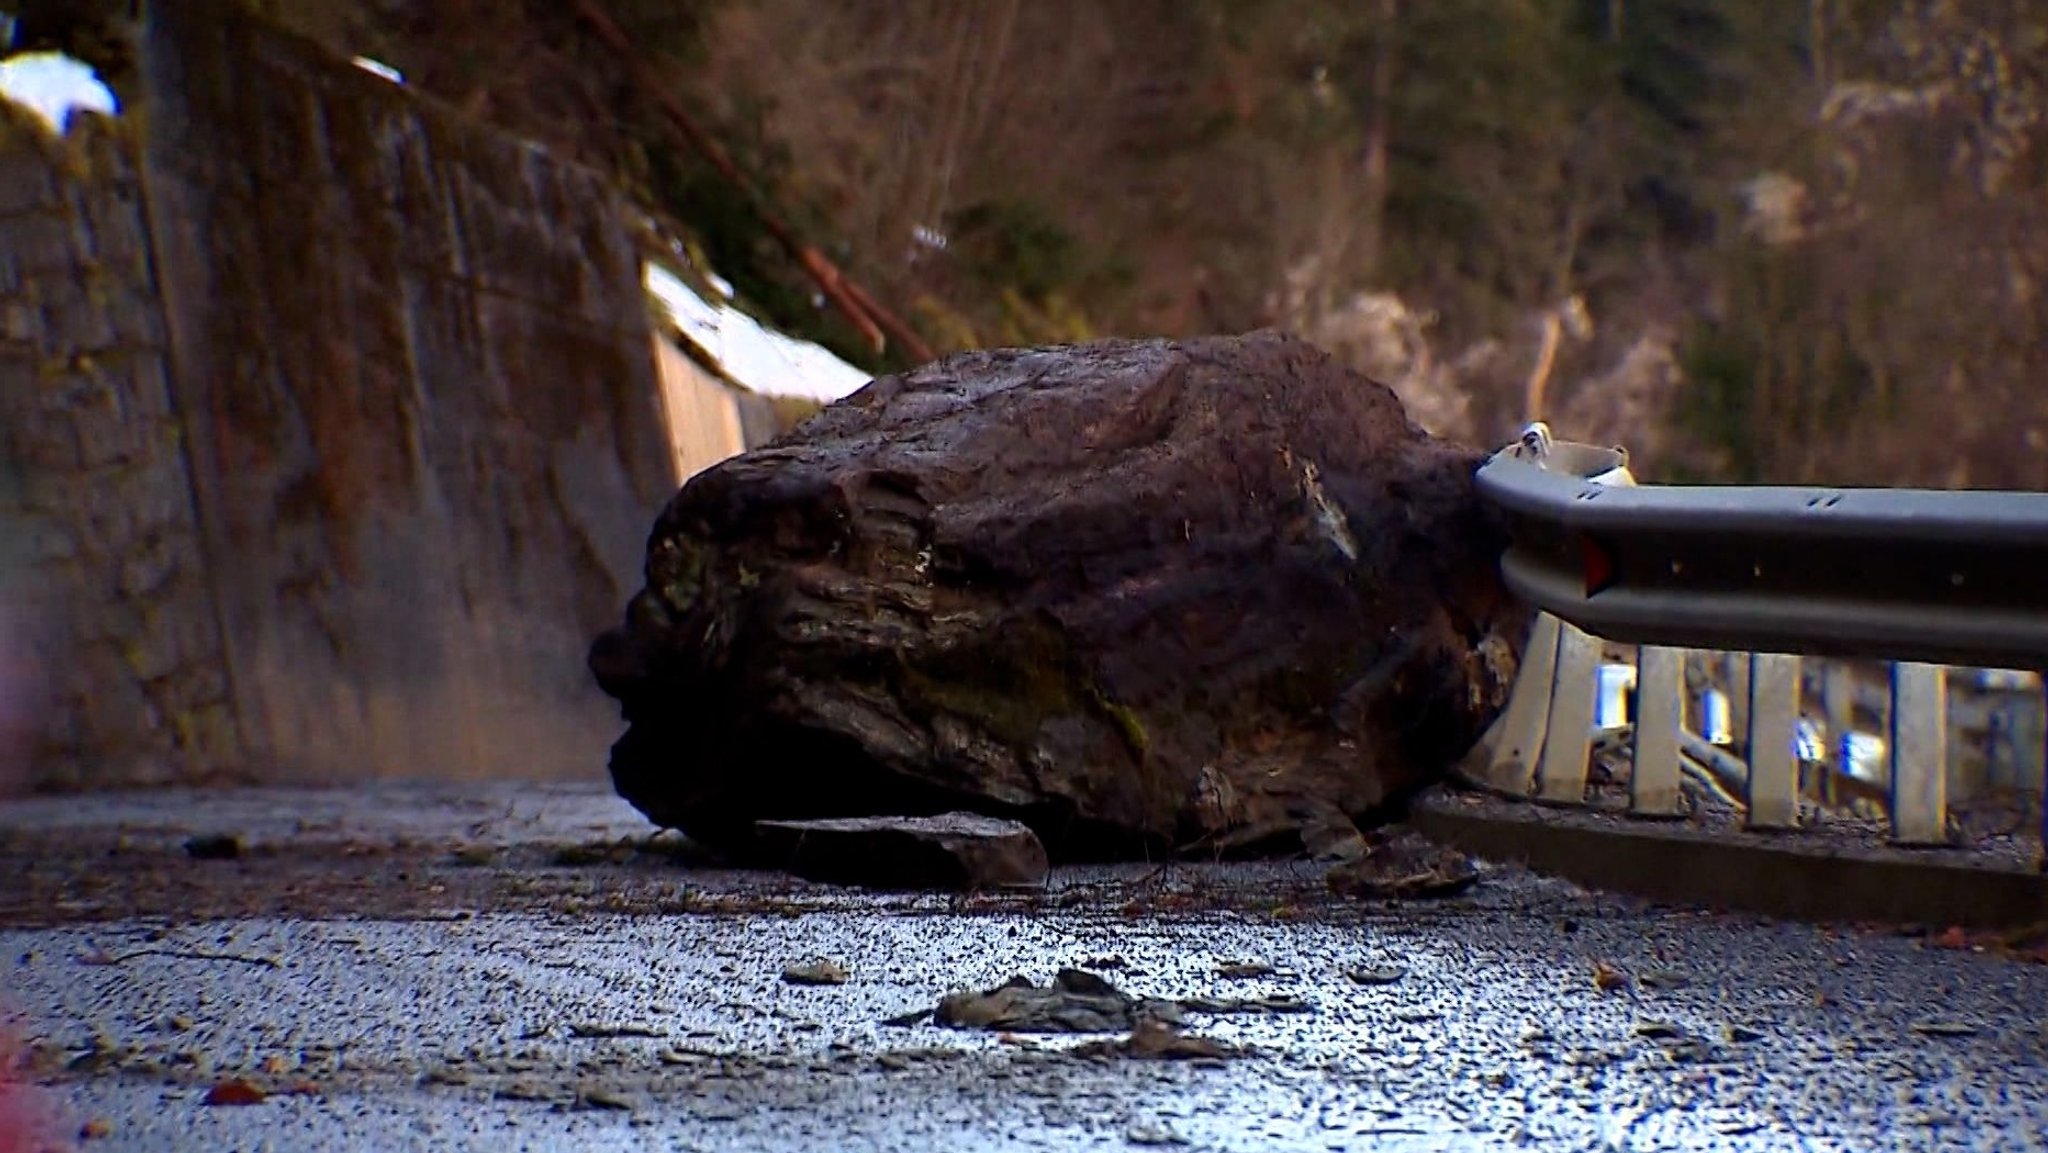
pixel 1534 443
pixel 1660 718
pixel 1919 754
pixel 1588 462
pixel 1772 754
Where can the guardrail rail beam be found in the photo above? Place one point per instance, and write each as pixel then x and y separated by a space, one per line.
pixel 1763 576
pixel 1894 574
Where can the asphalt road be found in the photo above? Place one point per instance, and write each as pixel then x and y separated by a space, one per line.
pixel 472 984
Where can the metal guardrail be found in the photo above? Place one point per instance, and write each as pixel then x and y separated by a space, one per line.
pixel 1942 577
pixel 1544 748
pixel 1643 570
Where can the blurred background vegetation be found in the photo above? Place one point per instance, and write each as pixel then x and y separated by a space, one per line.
pixel 1754 239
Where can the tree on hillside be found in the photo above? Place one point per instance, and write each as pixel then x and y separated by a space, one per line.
pixel 1837 203
pixel 1878 318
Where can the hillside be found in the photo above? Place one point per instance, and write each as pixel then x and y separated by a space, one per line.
pixel 1754 238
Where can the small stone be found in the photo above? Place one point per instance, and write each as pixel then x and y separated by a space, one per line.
pixel 1075 1002
pixel 1688 1051
pixel 235 1091
pixel 1243 970
pixel 1607 978
pixel 1159 1041
pixel 1378 975
pixel 815 973
pixel 214 847
pixel 595 1031
pixel 680 1057
pixel 1150 1134
pixel 1403 866
pixel 1238 1005
pixel 603 1097
pixel 1929 1119
pixel 1944 1028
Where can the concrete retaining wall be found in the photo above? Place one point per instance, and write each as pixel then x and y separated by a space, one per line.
pixel 333 424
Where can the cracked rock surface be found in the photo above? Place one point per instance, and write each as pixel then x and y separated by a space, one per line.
pixel 1141 595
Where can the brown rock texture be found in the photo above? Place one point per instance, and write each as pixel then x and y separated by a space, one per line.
pixel 1141 595
pixel 950 851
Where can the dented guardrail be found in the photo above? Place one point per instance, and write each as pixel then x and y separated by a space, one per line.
pixel 1906 574
pixel 1921 579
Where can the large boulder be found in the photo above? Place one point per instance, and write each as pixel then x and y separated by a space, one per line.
pixel 1142 595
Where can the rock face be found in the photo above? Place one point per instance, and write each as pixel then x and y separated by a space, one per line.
pixel 1141 595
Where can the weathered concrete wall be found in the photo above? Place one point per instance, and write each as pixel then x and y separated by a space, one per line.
pixel 102 574
pixel 332 423
pixel 704 420
pixel 425 428
pixel 757 417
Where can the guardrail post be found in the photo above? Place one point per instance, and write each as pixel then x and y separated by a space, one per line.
pixel 1738 670
pixel 1568 735
pixel 1772 741
pixel 1660 715
pixel 1919 754
pixel 1513 765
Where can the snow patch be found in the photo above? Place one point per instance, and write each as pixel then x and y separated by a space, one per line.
pixel 53 86
pixel 758 357
pixel 378 68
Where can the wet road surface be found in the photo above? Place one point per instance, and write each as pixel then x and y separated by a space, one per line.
pixel 520 1007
